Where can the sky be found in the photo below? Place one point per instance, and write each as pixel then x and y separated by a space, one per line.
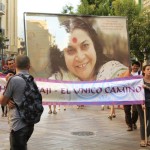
pixel 41 6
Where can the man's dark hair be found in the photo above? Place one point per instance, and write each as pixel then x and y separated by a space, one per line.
pixel 22 62
pixel 136 63
pixel 9 59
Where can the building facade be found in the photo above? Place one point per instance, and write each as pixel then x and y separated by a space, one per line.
pixel 8 25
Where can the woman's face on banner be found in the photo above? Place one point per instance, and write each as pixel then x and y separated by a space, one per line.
pixel 80 56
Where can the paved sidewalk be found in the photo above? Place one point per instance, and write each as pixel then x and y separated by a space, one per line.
pixel 78 129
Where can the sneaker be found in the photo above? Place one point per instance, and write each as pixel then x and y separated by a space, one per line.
pixel 130 128
pixel 102 108
pixel 78 106
pixel 3 115
pixel 108 107
pixel 143 143
pixel 114 116
pixel 110 117
pixel 54 112
pixel 50 112
pixel 134 126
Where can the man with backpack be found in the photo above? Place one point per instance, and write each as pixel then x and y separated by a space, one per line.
pixel 21 125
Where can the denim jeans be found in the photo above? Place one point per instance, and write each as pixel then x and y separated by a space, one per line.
pixel 19 139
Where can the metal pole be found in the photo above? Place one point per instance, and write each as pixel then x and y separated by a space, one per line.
pixel 145 123
pixel 2 63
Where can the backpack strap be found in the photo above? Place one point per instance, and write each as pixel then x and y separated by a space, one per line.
pixel 28 79
pixel 7 83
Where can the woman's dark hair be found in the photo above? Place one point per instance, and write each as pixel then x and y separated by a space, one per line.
pixel 78 23
pixel 143 69
pixel 56 59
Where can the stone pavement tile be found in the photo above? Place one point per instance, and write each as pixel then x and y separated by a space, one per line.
pixel 56 132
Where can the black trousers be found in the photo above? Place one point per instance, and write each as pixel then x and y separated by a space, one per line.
pixel 4 109
pixel 19 139
pixel 131 114
pixel 142 123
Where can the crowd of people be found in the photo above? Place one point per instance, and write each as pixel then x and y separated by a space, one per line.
pixel 131 111
pixel 82 60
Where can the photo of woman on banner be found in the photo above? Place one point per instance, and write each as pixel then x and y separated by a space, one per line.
pixel 83 59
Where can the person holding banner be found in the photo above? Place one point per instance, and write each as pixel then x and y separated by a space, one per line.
pixel 131 114
pixel 145 122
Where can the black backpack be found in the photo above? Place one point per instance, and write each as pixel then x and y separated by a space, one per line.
pixel 31 107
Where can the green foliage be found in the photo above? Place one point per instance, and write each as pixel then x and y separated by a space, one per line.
pixel 126 8
pixel 68 9
pixel 94 7
pixel 140 37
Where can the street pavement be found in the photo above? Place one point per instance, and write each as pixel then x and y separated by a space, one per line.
pixel 78 129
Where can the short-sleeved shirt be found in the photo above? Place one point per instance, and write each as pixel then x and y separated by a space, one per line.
pixel 136 73
pixel 14 90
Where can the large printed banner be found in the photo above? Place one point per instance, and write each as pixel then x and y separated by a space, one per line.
pixel 76 48
pixel 119 91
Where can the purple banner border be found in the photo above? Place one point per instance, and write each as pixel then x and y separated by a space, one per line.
pixel 77 82
pixel 97 81
pixel 96 103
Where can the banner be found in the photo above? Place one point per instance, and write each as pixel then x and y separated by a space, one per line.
pixel 111 92
pixel 76 48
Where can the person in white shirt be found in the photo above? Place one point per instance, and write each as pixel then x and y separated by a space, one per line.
pixel 131 117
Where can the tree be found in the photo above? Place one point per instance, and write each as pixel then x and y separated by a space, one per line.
pixel 140 37
pixel 68 9
pixel 91 7
pixel 95 7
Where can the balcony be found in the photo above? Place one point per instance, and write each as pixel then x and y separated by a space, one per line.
pixel 2 9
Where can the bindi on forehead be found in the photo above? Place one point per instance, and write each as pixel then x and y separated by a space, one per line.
pixel 74 40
